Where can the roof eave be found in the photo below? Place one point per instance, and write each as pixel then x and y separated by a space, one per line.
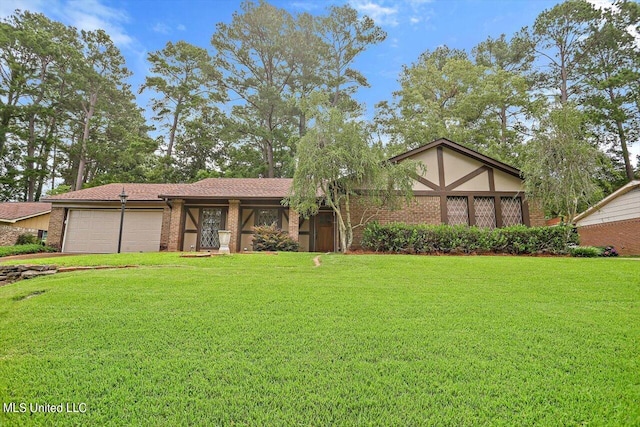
pixel 602 203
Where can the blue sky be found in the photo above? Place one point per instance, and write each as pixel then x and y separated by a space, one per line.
pixel 413 26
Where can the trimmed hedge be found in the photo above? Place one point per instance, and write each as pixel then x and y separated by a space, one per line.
pixel 426 239
pixel 271 238
pixel 24 249
pixel 585 251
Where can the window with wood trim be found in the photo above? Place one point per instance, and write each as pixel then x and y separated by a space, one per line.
pixel 457 210
pixel 485 212
pixel 267 217
pixel 511 211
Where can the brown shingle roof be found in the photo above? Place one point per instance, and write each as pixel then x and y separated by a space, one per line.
pixel 241 188
pixel 217 188
pixel 14 211
pixel 111 192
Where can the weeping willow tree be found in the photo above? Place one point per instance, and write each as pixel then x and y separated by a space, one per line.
pixel 336 164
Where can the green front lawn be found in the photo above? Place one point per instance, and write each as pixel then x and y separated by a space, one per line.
pixel 360 340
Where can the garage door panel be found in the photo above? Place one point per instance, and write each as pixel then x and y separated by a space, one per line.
pixel 96 231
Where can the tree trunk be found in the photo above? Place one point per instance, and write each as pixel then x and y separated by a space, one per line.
pixel 82 161
pixel 628 167
pixel 172 132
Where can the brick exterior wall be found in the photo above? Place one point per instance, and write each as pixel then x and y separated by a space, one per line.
pixel 56 227
pixel 166 228
pixel 422 210
pixel 9 235
pixel 622 235
pixel 294 224
pixel 175 226
pixel 233 224
pixel 536 214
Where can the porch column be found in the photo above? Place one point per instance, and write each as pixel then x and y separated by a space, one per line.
pixel 233 224
pixel 294 224
pixel 175 227
pixel 55 233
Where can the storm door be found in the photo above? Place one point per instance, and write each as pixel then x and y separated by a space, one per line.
pixel 212 220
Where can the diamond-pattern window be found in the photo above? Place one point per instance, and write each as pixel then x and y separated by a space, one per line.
pixel 266 217
pixel 457 210
pixel 485 211
pixel 511 211
pixel 211 223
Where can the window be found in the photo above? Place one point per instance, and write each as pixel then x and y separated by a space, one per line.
pixel 485 211
pixel 511 211
pixel 457 210
pixel 267 217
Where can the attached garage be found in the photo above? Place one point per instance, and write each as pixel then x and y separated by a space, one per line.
pixel 97 230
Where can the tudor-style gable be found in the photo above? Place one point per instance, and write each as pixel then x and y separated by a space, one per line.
pixel 453 167
pixel 472 188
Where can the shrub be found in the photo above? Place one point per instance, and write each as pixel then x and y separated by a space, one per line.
pixel 271 238
pixel 609 251
pixel 27 239
pixel 585 251
pixel 424 239
pixel 24 249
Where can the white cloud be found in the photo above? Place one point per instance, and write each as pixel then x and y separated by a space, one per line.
pixel 7 7
pixel 382 15
pixel 415 19
pixel 181 27
pixel 161 28
pixel 86 15
pixel 92 15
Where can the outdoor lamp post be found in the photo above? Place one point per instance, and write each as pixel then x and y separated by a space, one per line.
pixel 123 203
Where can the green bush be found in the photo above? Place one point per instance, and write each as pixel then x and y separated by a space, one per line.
pixel 27 239
pixel 33 248
pixel 271 238
pixel 586 251
pixel 425 239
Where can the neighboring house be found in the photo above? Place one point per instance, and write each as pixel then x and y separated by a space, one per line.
pixel 23 217
pixel 460 186
pixel 614 221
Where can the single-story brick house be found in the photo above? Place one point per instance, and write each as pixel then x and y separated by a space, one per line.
pixel 460 186
pixel 615 221
pixel 23 218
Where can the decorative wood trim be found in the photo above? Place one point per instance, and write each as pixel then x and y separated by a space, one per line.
pixel 497 202
pixel 467 193
pixel 492 181
pixel 190 231
pixel 425 181
pixel 471 210
pixel 183 220
pixel 443 209
pixel 196 223
pixel 468 177
pixel 525 212
pixel 284 212
pixel 246 221
pixel 441 167
pixel 304 233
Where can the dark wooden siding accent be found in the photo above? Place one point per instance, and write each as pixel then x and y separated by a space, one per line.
pixel 468 177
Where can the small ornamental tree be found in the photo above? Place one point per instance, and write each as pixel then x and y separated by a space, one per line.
pixel 336 162
pixel 560 163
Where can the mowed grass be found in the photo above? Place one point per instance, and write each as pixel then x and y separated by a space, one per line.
pixel 360 340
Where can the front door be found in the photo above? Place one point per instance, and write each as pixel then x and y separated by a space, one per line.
pixel 324 232
pixel 212 220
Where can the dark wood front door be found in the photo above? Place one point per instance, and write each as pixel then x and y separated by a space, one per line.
pixel 324 232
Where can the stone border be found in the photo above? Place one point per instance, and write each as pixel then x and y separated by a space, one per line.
pixel 13 273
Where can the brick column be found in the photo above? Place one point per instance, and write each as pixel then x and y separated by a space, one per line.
pixel 233 224
pixel 294 224
pixel 175 227
pixel 55 232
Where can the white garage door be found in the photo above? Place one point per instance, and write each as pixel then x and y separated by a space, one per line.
pixel 96 231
